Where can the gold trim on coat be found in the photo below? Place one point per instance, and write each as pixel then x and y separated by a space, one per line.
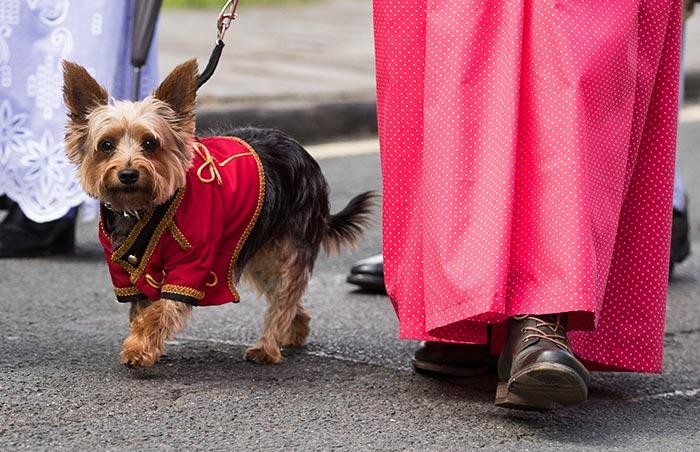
pixel 136 272
pixel 210 163
pixel 126 291
pixel 152 282
pixel 182 290
pixel 253 220
pixel 179 236
pixel 214 280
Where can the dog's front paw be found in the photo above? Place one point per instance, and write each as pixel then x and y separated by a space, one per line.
pixel 137 354
pixel 261 356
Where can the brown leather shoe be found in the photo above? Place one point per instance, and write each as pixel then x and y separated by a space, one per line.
pixel 453 360
pixel 537 368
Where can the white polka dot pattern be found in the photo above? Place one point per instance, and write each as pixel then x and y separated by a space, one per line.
pixel 527 158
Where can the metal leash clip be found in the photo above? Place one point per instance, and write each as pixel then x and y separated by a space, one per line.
pixel 226 16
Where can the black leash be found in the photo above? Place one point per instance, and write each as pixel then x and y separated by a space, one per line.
pixel 226 16
pixel 211 65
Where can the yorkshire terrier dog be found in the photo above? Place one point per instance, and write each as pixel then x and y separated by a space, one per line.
pixel 183 218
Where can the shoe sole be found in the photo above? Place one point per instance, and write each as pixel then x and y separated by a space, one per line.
pixel 51 251
pixel 433 368
pixel 541 387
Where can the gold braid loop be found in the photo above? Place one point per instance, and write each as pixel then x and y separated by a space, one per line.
pixel 211 164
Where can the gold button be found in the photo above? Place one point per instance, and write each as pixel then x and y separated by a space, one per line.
pixel 133 260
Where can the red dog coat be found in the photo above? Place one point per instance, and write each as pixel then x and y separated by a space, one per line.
pixel 185 249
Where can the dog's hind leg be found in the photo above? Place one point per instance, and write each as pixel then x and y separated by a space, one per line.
pixel 150 329
pixel 279 272
pixel 297 334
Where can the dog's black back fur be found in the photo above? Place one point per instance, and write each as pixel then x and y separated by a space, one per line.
pixel 296 198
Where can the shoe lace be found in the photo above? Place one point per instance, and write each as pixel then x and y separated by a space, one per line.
pixel 556 334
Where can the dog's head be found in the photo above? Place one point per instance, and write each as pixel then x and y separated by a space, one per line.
pixel 132 155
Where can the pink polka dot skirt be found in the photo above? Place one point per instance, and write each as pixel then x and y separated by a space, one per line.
pixel 527 157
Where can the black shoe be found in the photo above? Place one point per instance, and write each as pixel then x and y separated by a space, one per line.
pixel 21 237
pixel 368 274
pixel 453 360
pixel 537 369
pixel 680 236
pixel 5 202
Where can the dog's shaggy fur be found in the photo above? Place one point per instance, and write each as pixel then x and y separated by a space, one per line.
pixel 155 138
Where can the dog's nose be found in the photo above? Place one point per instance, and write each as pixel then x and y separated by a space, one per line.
pixel 128 176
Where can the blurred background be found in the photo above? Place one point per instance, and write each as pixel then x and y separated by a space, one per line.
pixel 303 65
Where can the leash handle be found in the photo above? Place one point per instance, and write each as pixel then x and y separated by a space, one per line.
pixel 211 65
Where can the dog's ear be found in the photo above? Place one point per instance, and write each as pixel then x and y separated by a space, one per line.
pixel 179 89
pixel 81 92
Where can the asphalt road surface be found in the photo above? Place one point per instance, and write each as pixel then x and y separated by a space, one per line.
pixel 62 387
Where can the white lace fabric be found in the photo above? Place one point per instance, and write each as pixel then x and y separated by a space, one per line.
pixel 35 36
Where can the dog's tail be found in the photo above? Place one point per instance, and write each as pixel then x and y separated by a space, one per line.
pixel 346 226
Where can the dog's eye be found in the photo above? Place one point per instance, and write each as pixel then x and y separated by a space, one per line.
pixel 106 146
pixel 149 144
